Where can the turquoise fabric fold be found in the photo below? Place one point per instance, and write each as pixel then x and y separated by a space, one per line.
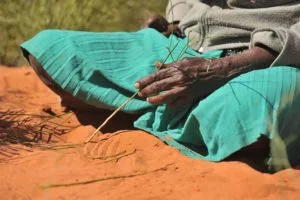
pixel 101 68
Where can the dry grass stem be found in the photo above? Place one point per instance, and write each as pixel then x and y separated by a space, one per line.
pixel 160 66
pixel 108 157
pixel 119 157
pixel 27 129
pixel 107 178
pixel 109 117
pixel 58 147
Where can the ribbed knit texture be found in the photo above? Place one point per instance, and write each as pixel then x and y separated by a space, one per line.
pixel 227 24
pixel 101 68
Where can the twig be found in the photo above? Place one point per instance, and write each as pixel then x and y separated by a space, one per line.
pixel 58 147
pixel 125 103
pixel 53 117
pixel 184 50
pixel 172 31
pixel 108 157
pixel 111 116
pixel 169 50
pixel 119 157
pixel 106 179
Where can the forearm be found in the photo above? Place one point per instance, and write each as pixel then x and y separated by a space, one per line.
pixel 285 41
pixel 252 59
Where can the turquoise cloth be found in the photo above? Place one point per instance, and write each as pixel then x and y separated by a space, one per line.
pixel 101 69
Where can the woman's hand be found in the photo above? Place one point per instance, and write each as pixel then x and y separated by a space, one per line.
pixel 190 79
pixel 183 81
pixel 160 24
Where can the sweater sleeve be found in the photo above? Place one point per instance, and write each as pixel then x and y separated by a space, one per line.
pixel 176 10
pixel 282 40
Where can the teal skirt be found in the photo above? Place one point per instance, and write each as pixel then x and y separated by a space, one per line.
pixel 101 69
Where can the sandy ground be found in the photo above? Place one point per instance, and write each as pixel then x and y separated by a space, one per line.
pixel 39 158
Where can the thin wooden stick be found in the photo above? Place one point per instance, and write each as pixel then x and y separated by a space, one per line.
pixel 172 31
pixel 106 179
pixel 58 146
pixel 108 157
pixel 169 50
pixel 119 157
pixel 183 51
pixel 111 116
pixel 129 99
pixel 124 104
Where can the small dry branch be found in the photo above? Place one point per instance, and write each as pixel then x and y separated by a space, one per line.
pixel 106 178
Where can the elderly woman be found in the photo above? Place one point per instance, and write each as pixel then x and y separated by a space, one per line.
pixel 227 75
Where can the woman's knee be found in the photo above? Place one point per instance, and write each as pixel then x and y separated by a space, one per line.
pixel 37 67
pixel 66 99
pixel 46 79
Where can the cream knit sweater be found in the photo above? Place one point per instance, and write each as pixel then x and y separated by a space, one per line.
pixel 221 24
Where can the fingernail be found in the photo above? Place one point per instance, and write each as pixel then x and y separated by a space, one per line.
pixel 137 85
pixel 158 65
pixel 140 94
pixel 149 100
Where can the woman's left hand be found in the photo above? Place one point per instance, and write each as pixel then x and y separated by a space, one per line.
pixel 183 81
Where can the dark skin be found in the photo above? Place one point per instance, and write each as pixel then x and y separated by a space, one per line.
pixel 190 79
pixel 160 24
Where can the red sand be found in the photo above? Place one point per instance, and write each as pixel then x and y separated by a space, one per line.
pixel 122 165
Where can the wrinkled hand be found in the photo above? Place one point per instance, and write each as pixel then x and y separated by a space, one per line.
pixel 183 81
pixel 163 26
pixel 190 79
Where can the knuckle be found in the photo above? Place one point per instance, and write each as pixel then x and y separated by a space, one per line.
pixel 166 85
pixel 185 60
pixel 156 87
pixel 151 89
pixel 156 76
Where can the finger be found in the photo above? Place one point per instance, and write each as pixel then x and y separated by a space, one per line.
pixel 140 84
pixel 165 97
pixel 158 86
pixel 160 65
pixel 156 76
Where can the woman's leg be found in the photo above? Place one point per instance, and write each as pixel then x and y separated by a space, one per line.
pixel 86 114
pixel 255 155
pixel 67 100
pixel 101 69
pixel 251 109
